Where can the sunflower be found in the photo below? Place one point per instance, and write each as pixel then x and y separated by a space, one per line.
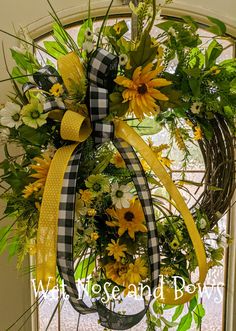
pixel 141 92
pixel 41 168
pixel 137 271
pixel 116 250
pixel 97 184
pixel 86 196
pixel 57 90
pixel 128 219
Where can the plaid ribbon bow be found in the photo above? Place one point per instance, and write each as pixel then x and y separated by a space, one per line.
pixel 44 79
pixel 102 70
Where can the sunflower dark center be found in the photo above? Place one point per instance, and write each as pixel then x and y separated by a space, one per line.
pixel 35 114
pixel 142 89
pixel 119 194
pixel 16 117
pixel 97 187
pixel 129 216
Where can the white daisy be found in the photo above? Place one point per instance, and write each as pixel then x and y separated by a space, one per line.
pixel 88 46
pixel 172 32
pixel 4 135
pixel 202 223
pixel 123 59
pixel 196 107
pixel 10 115
pixel 121 195
pixel 88 34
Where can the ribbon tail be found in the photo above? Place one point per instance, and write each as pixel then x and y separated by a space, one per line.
pixel 125 132
pixel 48 221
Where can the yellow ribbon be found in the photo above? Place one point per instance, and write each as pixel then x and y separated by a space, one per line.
pixel 125 132
pixel 76 128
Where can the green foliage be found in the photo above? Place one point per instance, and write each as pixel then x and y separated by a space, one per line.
pixel 218 26
pixel 144 53
pixel 81 35
pixel 55 49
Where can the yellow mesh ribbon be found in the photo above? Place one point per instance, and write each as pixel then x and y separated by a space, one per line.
pixel 77 128
pixel 125 132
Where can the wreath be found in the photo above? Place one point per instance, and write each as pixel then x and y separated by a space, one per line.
pixel 90 193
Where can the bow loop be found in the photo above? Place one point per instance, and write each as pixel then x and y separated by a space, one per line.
pixel 44 79
pixel 102 71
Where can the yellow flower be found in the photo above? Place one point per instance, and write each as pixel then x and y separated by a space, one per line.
pixel 189 123
pixel 41 168
pixel 167 271
pixel 118 161
pixel 91 212
pixel 117 272
pixel 94 236
pixel 198 133
pixel 214 70
pixel 116 250
pixel 128 219
pixel 117 27
pixel 86 196
pixel 158 151
pixel 174 244
pixel 137 271
pixel 31 189
pixel 141 92
pixel 57 90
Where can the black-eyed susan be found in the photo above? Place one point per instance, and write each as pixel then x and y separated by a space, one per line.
pixel 117 272
pixel 128 219
pixel 57 90
pixel 118 161
pixel 116 250
pixel 141 91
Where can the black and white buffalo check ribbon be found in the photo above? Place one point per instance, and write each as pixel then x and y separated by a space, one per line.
pixel 44 79
pixel 101 73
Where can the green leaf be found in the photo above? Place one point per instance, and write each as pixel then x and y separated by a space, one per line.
pixel 16 72
pixel 144 54
pixel 219 28
pixel 213 51
pixel 199 310
pixel 193 303
pixel 81 35
pixel 147 127
pixel 13 247
pixel 85 268
pixel 35 137
pixel 195 85
pixel 190 21
pixel 55 49
pixel 20 59
pixel 60 34
pixel 4 233
pixel 165 25
pixel 185 322
pixel 168 323
pixel 178 312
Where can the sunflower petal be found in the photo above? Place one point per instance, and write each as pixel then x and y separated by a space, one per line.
pixel 123 81
pixel 158 95
pixel 159 82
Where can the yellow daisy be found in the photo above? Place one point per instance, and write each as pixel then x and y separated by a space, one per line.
pixel 31 189
pixel 118 161
pixel 116 250
pixel 198 133
pixel 57 90
pixel 137 271
pixel 128 219
pixel 41 168
pixel 117 272
pixel 141 92
pixel 86 196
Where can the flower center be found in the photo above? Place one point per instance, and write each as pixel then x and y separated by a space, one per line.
pixel 142 89
pixel 97 187
pixel 119 194
pixel 129 216
pixel 35 114
pixel 16 117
